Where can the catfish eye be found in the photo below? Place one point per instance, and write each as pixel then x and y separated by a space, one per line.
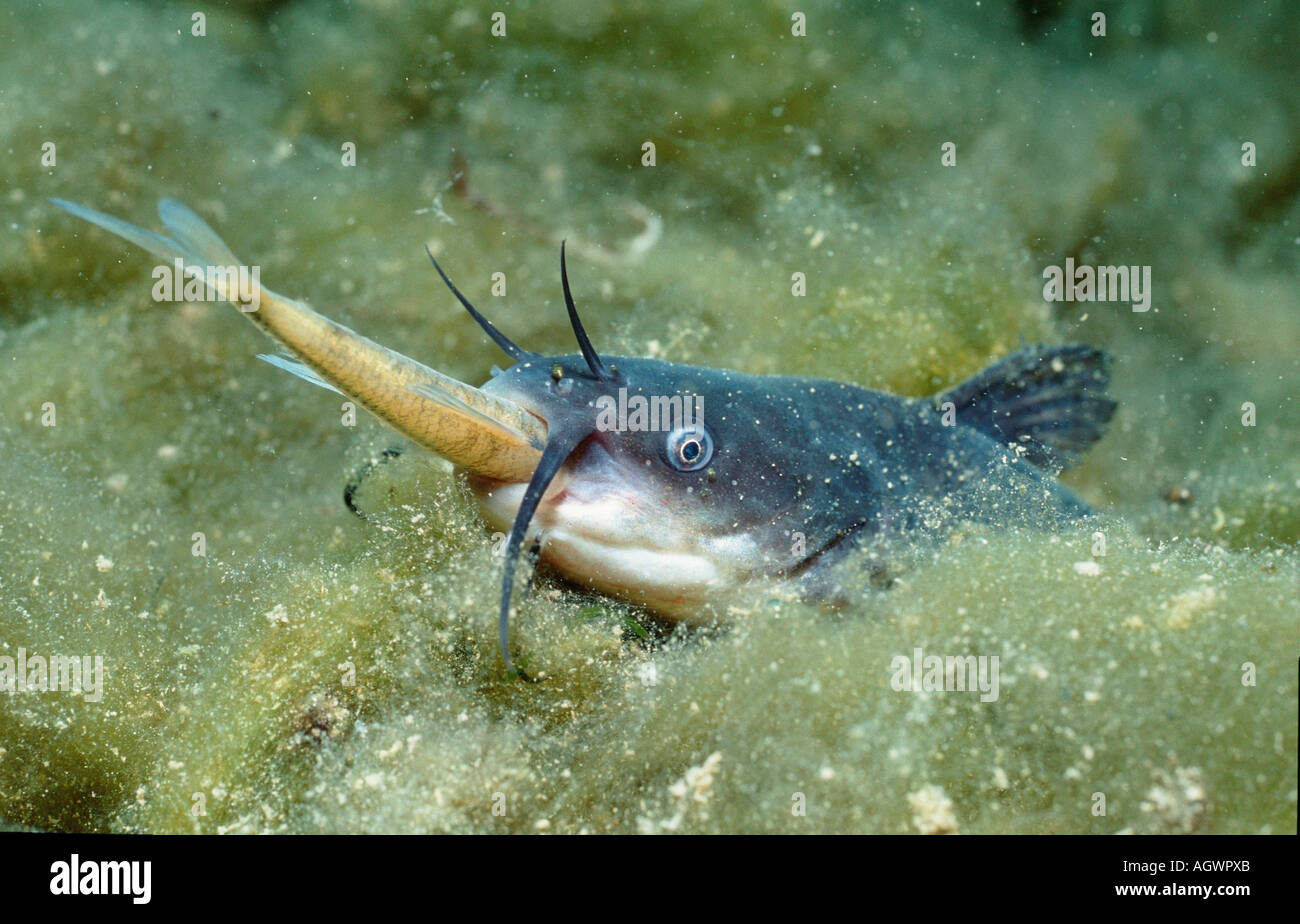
pixel 689 448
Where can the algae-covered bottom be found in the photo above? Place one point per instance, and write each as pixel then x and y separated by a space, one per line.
pixel 312 671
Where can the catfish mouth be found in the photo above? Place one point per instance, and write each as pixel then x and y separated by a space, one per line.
pixel 604 517
pixel 494 433
pixel 590 479
pixel 606 526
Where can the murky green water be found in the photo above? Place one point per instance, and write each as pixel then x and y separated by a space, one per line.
pixel 317 672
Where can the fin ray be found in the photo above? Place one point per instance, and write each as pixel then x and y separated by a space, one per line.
pixel 195 244
pixel 195 234
pixel 1049 400
pixel 302 370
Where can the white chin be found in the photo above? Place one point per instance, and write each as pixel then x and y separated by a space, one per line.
pixel 608 544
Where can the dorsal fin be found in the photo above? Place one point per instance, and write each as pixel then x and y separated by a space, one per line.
pixel 1048 400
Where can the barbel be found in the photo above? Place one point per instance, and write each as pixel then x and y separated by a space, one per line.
pixel 776 480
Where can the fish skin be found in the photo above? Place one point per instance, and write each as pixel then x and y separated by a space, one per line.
pixel 804 471
pixel 839 466
pixel 386 383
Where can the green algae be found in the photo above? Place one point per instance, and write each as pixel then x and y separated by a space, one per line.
pixel 317 672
